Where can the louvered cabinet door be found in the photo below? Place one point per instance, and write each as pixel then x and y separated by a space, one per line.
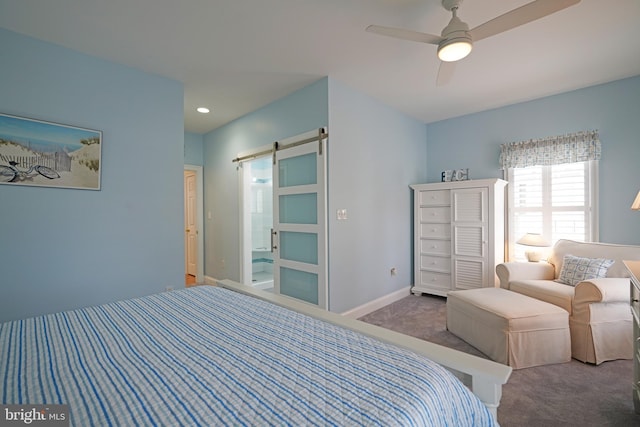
pixel 469 230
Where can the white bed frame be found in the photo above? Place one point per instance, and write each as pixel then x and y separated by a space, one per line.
pixel 484 377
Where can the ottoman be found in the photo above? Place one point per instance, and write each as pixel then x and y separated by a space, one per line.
pixel 510 328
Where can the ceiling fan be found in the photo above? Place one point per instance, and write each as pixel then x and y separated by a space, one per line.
pixel 456 39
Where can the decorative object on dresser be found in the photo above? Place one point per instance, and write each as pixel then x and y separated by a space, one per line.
pixel 535 240
pixel 458 235
pixel 634 270
pixel 455 175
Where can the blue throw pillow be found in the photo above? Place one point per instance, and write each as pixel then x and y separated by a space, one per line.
pixel 576 269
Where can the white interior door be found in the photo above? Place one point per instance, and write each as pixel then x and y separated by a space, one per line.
pixel 299 223
pixel 191 227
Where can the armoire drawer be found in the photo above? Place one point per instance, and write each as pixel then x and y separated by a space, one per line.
pixel 435 247
pixel 435 214
pixel 435 198
pixel 433 279
pixel 435 231
pixel 435 263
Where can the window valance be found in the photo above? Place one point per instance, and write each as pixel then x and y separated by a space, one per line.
pixel 570 148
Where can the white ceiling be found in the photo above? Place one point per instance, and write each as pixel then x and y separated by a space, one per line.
pixel 235 56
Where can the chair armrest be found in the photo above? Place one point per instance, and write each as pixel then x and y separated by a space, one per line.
pixel 610 289
pixel 512 271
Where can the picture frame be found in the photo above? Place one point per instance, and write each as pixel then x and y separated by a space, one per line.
pixel 46 154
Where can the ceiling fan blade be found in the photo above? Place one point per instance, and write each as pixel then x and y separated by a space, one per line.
pixel 519 16
pixel 445 73
pixel 400 33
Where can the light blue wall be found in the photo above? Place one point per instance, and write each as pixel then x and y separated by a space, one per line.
pixel 64 248
pixel 473 141
pixel 304 110
pixel 375 152
pixel 193 151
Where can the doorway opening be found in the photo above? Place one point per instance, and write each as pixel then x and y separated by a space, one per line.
pixel 258 219
pixel 193 209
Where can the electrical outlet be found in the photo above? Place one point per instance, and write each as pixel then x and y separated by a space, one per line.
pixel 341 214
pixel 394 271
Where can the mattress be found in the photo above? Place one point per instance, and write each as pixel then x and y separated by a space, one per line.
pixel 211 356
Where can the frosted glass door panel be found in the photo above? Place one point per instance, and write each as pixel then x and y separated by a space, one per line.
pixel 301 247
pixel 299 284
pixel 299 170
pixel 299 208
pixel 300 251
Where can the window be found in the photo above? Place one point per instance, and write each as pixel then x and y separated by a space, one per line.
pixel 556 201
pixel 552 188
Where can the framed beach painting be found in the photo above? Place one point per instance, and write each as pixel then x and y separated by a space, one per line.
pixel 45 154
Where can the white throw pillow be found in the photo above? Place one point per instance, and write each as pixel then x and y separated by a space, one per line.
pixel 576 269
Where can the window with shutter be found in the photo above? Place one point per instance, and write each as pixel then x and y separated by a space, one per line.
pixel 556 201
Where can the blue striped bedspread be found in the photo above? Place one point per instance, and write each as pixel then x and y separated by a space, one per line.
pixel 210 356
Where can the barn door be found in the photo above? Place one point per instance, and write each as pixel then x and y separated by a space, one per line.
pixel 299 220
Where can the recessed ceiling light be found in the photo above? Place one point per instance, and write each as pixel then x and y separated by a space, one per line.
pixel 203 110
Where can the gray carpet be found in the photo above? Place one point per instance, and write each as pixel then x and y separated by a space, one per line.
pixel 567 394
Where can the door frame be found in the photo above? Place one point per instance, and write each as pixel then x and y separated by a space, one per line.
pixel 199 219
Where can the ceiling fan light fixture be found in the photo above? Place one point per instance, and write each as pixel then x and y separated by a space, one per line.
pixel 456 41
pixel 455 48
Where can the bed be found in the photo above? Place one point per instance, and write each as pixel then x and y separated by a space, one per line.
pixel 217 356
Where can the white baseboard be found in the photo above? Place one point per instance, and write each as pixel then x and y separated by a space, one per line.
pixel 208 280
pixel 378 303
pixel 360 311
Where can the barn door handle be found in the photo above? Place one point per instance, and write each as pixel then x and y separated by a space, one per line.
pixel 273 246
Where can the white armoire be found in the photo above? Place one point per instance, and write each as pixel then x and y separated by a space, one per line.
pixel 459 235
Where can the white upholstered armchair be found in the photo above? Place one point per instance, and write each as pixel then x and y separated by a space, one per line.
pixel 599 313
